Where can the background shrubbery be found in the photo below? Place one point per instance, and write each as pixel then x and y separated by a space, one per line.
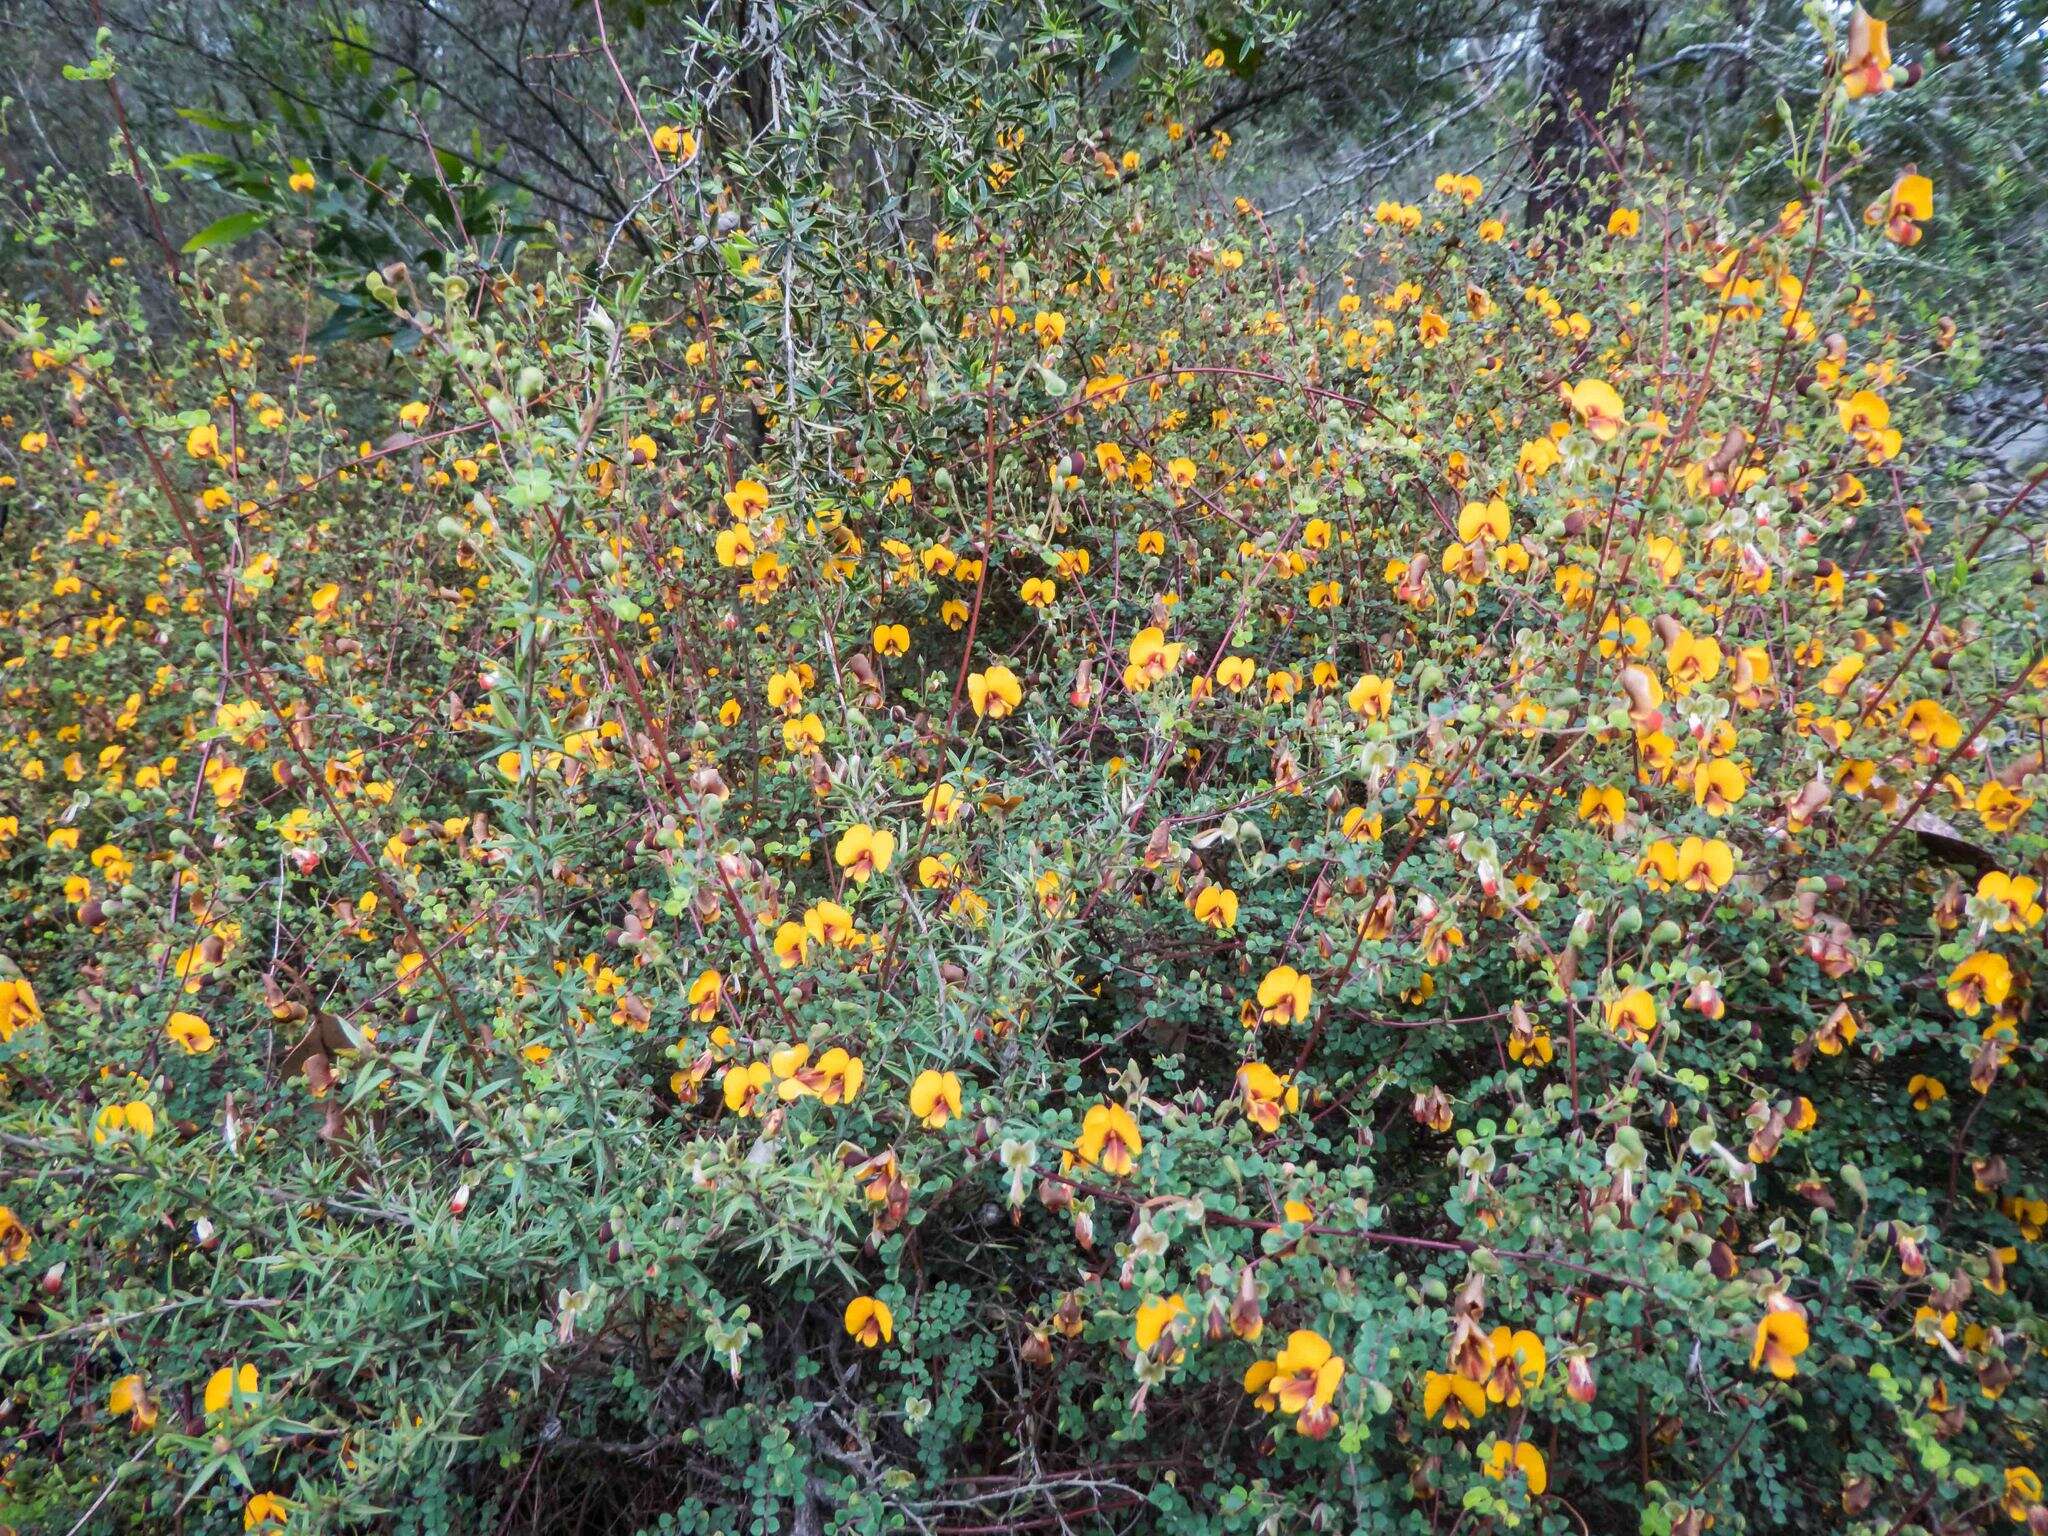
pixel 928 825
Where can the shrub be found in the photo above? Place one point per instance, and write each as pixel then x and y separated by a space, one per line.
pixel 1133 876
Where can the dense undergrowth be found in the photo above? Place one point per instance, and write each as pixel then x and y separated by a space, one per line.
pixel 1189 882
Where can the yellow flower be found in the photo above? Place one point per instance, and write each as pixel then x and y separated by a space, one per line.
pixel 1267 1095
pixel 1360 825
pixel 129 1396
pixel 678 143
pixel 1633 1014
pixel 1692 660
pixel 747 498
pixel 864 851
pixel 1598 407
pixel 1985 977
pixel 995 693
pixel 1460 1399
pixel 1604 807
pixel 122 1121
pixel 869 1321
pixel 827 922
pixel 1483 520
pixel 1925 1092
pixel 1625 223
pixel 190 1032
pixel 2022 1493
pixel 942 805
pixel 265 1510
pixel 1284 996
pixel 1302 1380
pixel 834 1078
pixel 2012 900
pixel 1519 1457
pixel 228 1383
pixel 203 441
pixel 1161 1318
pixel 1704 864
pixel 1867 70
pixel 1999 808
pixel 1519 1362
pixel 1236 672
pixel 1109 1140
pixel 1152 658
pixel 1216 907
pixel 14 1238
pixel 18 1007
pixel 1927 724
pixel 1371 697
pixel 1838 1032
pixel 1902 209
pixel 414 414
pixel 706 993
pixel 935 1098
pixel 1781 1338
pixel 1718 785
pixel 744 1087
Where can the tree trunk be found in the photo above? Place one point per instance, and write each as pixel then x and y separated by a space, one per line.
pixel 1585 45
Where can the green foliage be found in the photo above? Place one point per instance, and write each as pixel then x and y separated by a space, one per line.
pixel 1407 859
